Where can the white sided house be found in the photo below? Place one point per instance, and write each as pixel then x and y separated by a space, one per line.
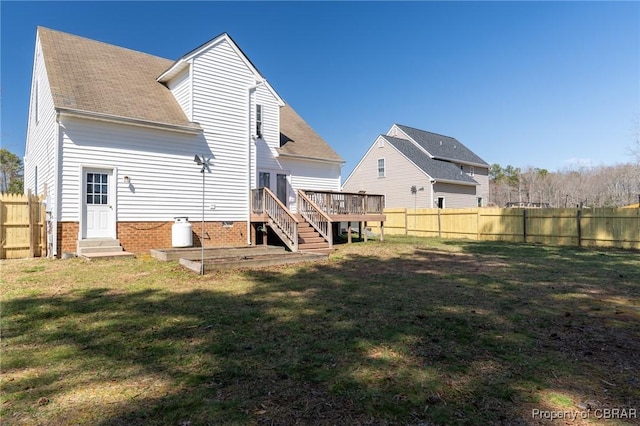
pixel 445 173
pixel 113 132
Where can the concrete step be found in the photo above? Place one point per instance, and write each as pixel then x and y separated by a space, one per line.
pixel 99 242
pixel 99 249
pixel 107 255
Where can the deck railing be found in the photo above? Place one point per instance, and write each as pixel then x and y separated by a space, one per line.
pixel 315 216
pixel 348 203
pixel 286 225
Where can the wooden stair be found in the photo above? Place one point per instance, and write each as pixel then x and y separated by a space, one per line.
pixel 309 240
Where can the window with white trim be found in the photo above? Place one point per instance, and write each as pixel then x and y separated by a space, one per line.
pixel 472 170
pixel 381 170
pixel 259 120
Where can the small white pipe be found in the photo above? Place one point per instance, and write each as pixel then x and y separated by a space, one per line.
pixel 250 139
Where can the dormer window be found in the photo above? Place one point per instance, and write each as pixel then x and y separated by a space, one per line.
pixel 259 120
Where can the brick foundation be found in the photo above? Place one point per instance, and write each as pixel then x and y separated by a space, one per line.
pixel 67 237
pixel 140 237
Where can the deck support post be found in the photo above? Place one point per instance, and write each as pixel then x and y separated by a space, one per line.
pixel 366 237
pixel 264 234
pixel 349 232
pixel 381 231
pixel 359 231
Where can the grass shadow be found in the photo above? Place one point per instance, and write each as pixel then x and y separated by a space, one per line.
pixel 393 333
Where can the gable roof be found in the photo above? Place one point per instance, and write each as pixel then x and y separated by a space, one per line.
pixel 89 76
pixel 184 60
pixel 298 139
pixel 95 77
pixel 438 169
pixel 442 147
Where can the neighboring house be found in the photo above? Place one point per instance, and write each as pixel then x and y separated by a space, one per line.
pixel 449 173
pixel 113 132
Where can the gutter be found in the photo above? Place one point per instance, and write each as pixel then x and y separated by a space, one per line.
pixel 304 157
pixel 126 120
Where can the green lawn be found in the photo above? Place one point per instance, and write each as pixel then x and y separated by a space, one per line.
pixel 402 332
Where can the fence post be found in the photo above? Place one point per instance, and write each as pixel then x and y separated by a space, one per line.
pixel 578 218
pixel 406 222
pixel 439 225
pixel 32 246
pixel 524 225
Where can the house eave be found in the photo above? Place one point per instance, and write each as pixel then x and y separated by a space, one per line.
pixel 457 160
pixel 179 66
pixel 455 182
pixel 127 120
pixel 307 158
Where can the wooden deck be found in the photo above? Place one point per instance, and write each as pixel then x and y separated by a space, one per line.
pixel 323 210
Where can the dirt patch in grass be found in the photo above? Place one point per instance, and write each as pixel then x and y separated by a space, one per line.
pixel 404 332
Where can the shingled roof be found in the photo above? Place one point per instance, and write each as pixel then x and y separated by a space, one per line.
pixel 437 169
pixel 443 147
pixel 298 139
pixel 95 77
pixel 90 76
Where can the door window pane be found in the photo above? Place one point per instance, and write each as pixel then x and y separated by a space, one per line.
pixel 97 188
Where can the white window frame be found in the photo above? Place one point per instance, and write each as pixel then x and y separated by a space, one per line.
pixel 259 120
pixel 472 171
pixel 384 167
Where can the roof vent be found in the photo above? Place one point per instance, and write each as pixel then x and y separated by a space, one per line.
pixel 440 143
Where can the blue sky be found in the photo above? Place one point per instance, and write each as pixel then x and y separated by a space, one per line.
pixel 543 84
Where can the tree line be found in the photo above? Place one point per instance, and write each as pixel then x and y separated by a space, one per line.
pixel 601 186
pixel 11 172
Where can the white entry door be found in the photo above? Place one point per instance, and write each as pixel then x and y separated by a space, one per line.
pixel 98 204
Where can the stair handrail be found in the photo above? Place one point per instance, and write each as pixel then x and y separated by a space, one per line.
pixel 280 215
pixel 315 216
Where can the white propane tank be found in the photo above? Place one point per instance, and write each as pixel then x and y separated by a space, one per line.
pixel 181 233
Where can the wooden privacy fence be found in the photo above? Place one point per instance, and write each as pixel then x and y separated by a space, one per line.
pixel 580 227
pixel 22 226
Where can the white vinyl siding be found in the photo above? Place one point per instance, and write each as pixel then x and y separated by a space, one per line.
pixel 164 180
pixel 180 87
pixel 266 146
pixel 311 175
pixel 42 135
pixel 221 80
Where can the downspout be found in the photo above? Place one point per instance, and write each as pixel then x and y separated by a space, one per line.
pixel 56 209
pixel 250 139
pixel 432 181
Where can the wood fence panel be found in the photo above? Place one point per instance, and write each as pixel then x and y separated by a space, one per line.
pixel 552 226
pixel 22 226
pixel 496 224
pixel 395 223
pixel 611 228
pixel 575 227
pixel 458 223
